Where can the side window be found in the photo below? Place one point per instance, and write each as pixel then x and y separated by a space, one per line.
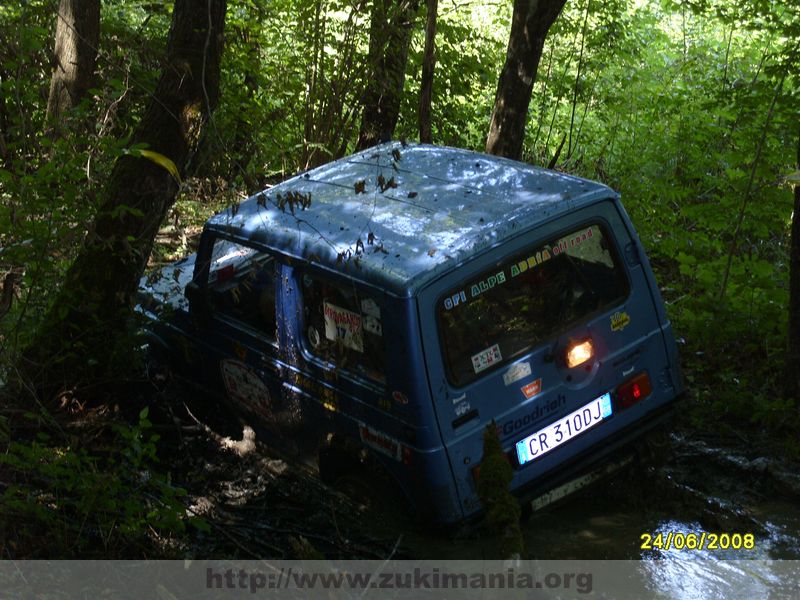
pixel 343 326
pixel 241 283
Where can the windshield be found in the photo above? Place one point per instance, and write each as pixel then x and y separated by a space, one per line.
pixel 524 300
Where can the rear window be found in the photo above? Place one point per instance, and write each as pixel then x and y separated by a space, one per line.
pixel 522 301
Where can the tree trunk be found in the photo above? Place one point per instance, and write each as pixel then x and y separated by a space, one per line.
pixel 74 55
pixel 389 39
pixel 428 65
pixel 793 355
pixel 530 23
pixel 83 332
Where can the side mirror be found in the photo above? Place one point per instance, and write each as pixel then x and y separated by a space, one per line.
pixel 199 304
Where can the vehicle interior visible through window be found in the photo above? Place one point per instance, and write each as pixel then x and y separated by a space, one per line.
pixel 528 298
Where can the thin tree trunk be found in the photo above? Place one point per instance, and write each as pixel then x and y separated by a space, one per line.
pixel 530 23
pixel 310 147
pixel 74 55
pixel 749 191
pixel 389 39
pixel 428 65
pixel 82 335
pixel 543 106
pixel 793 354
pixel 578 75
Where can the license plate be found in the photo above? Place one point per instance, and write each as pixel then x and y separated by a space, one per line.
pixel 575 423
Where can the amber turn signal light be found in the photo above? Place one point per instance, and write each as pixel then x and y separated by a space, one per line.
pixel 579 352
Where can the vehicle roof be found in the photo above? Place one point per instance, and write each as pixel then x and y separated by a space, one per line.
pixel 423 210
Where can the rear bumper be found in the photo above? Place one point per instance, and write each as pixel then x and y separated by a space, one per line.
pixel 591 460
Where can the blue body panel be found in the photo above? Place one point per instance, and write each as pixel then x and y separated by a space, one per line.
pixel 404 225
pixel 448 205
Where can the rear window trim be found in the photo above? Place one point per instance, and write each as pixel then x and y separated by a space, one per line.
pixel 226 318
pixel 617 256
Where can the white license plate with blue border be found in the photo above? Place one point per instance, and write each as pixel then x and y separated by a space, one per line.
pixel 554 435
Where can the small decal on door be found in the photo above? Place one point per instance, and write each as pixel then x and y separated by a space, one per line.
pixel 381 442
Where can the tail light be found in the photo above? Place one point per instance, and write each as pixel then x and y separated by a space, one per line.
pixel 634 391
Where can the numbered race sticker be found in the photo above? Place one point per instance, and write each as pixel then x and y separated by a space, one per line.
pixel 554 435
pixel 343 326
pixel 486 358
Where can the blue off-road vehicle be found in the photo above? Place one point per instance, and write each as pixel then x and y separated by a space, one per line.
pixel 386 307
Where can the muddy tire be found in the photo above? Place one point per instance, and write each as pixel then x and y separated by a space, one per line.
pixel 361 481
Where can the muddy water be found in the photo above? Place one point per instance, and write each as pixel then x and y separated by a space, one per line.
pixel 692 488
pixel 685 487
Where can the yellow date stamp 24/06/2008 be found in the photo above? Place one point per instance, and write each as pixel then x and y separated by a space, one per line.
pixel 703 540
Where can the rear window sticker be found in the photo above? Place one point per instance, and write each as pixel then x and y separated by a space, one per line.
pixel 455 300
pixel 486 358
pixel 532 261
pixel 371 308
pixel 485 285
pixel 517 371
pixel 245 386
pixel 372 325
pixel 532 389
pixel 620 320
pixel 344 326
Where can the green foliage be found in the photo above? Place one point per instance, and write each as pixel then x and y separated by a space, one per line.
pixel 671 108
pixel 471 39
pixel 88 503
pixel 50 183
pixel 502 508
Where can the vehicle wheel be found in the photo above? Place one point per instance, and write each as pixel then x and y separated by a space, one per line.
pixel 363 483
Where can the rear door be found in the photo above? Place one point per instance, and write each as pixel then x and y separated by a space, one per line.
pixel 497 331
pixel 241 347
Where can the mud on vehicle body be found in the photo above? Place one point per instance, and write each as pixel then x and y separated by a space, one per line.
pixel 401 299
